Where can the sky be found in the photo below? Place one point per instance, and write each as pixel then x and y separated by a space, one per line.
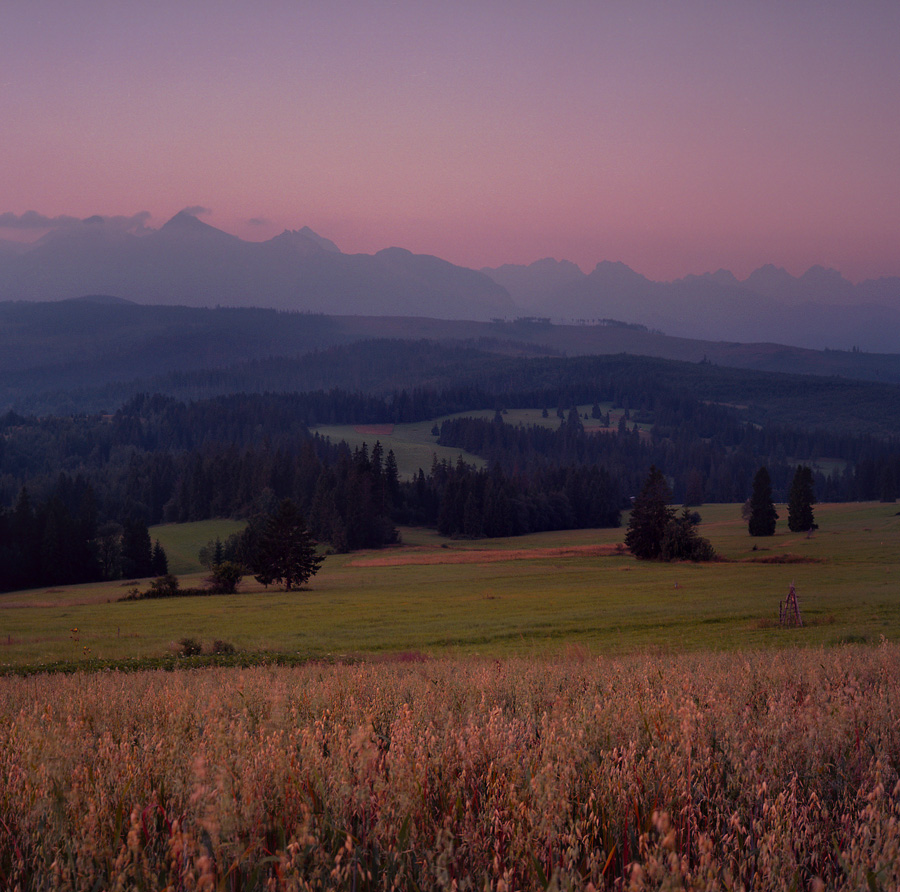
pixel 677 136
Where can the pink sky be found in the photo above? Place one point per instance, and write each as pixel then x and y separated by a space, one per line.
pixel 677 137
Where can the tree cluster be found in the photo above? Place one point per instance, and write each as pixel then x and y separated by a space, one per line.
pixel 58 541
pixel 656 532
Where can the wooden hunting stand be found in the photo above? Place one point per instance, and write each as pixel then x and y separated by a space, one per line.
pixel 789 610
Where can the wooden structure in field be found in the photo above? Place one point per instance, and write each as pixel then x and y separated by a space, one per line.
pixel 789 610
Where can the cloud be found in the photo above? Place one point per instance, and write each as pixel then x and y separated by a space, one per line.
pixel 259 221
pixel 135 223
pixel 195 211
pixel 32 220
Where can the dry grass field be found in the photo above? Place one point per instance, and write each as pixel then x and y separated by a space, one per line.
pixel 757 770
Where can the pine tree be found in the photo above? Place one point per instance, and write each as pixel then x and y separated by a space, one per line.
pixel 137 550
pixel 285 551
pixel 693 488
pixel 682 542
pixel 159 560
pixel 650 515
pixel 800 501
pixel 391 482
pixel 762 509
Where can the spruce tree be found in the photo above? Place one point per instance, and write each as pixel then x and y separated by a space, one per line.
pixel 650 515
pixel 762 509
pixel 285 551
pixel 800 501
pixel 137 550
pixel 159 560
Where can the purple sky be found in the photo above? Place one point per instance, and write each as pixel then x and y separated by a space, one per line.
pixel 678 137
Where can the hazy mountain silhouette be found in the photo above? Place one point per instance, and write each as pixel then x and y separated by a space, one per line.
pixel 529 285
pixel 816 310
pixel 189 263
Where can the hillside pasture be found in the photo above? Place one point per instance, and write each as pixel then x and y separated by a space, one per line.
pixel 416 447
pixel 182 541
pixel 526 595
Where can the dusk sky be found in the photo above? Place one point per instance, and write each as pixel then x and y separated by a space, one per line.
pixel 677 137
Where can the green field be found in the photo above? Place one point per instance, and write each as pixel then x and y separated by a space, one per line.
pixel 415 446
pixel 182 541
pixel 507 596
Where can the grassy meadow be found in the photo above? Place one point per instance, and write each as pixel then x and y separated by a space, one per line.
pixel 522 596
pixel 416 447
pixel 182 541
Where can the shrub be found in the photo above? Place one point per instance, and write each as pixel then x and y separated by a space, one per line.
pixel 225 578
pixel 163 587
pixel 190 647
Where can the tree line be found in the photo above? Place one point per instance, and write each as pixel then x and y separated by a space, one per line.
pixel 73 488
pixel 58 541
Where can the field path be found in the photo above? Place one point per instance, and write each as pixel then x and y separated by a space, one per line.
pixel 425 555
pixel 374 430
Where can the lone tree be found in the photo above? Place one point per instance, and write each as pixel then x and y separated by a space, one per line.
pixel 800 501
pixel 285 552
pixel 762 509
pixel 656 532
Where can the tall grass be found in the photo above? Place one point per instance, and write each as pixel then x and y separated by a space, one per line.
pixel 739 771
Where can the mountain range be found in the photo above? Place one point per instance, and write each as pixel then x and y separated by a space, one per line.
pixel 188 262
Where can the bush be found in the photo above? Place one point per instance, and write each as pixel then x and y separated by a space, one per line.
pixel 190 647
pixel 163 587
pixel 225 578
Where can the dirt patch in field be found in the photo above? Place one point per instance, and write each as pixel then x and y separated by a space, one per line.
pixel 423 556
pixel 782 559
pixel 374 430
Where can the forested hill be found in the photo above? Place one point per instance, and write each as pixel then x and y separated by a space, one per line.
pixel 186 461
pixel 65 479
pixel 399 369
pixel 94 353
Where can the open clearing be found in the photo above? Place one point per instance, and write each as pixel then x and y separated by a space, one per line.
pixel 525 595
pixel 416 447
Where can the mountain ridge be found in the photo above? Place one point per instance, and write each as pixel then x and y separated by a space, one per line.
pixel 188 262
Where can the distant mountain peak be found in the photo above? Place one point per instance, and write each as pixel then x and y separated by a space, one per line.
pixel 306 241
pixel 722 277
pixel 823 275
pixel 616 271
pixel 185 220
pixel 325 243
pixel 185 225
